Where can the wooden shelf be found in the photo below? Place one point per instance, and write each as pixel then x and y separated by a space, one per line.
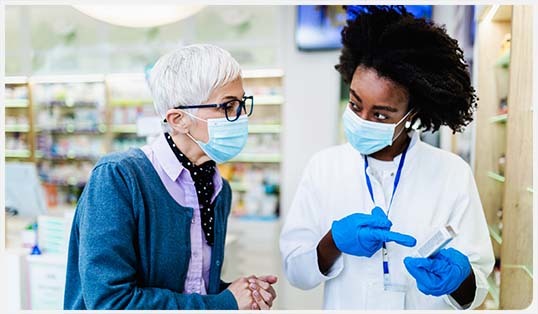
pixel 525 268
pixel 496 176
pixel 510 134
pixel 502 118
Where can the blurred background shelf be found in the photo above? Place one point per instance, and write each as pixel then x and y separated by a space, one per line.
pixel 264 100
pixel 126 102
pixel 496 176
pixel 495 234
pixel 494 290
pixel 264 128
pixel 124 128
pixel 504 145
pixel 253 157
pixel 19 153
pixel 502 118
pixel 17 128
pixel 16 103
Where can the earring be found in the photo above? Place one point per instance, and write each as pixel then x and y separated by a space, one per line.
pixel 407 124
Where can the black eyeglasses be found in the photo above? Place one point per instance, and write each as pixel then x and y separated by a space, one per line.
pixel 232 109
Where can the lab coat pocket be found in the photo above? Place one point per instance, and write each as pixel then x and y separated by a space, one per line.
pixel 379 298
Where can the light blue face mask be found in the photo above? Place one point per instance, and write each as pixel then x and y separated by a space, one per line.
pixel 366 136
pixel 226 139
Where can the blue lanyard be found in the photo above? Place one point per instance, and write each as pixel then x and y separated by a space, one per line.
pixel 386 276
pixel 396 179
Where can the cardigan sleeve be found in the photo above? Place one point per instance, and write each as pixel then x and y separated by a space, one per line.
pixel 107 257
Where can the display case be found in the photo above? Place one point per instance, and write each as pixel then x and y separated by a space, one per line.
pixel 503 163
pixel 19 126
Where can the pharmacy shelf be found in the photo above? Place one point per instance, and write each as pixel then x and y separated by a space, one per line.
pixel 264 128
pixel 502 118
pixel 74 157
pixel 527 269
pixel 129 102
pixel 75 104
pixel 73 129
pixel 68 79
pixel 495 234
pixel 16 128
pixel 15 80
pixel 253 158
pixel 66 183
pixel 238 186
pixel 262 73
pixel 256 217
pixel 504 60
pixel 268 100
pixel 496 176
pixel 493 290
pixel 16 103
pixel 18 153
pixel 123 128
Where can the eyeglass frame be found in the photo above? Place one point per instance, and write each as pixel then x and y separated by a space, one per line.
pixel 242 104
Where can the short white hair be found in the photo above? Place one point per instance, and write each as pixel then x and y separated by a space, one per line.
pixel 188 76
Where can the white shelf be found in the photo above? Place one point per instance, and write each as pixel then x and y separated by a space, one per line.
pixel 16 103
pixel 123 128
pixel 253 157
pixel 16 80
pixel 262 73
pixel 17 128
pixel 264 128
pixel 266 100
pixel 52 79
pixel 19 153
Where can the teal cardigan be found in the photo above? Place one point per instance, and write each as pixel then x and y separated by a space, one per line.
pixel 130 243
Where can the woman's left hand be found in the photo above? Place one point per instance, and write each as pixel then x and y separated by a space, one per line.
pixel 262 290
pixel 441 273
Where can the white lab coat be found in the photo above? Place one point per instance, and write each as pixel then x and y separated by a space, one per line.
pixel 436 188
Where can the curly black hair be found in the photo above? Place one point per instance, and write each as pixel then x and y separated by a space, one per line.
pixel 416 54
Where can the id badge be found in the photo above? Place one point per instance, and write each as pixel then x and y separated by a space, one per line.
pixel 391 297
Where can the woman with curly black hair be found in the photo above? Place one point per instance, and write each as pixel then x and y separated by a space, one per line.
pixel 364 210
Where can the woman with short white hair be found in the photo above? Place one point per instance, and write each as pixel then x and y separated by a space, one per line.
pixel 150 226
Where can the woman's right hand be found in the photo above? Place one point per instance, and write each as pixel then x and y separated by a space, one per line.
pixel 242 293
pixel 363 234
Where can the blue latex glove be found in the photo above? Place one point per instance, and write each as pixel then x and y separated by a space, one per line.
pixel 363 234
pixel 441 273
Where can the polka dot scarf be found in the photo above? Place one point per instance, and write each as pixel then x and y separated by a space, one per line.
pixel 202 176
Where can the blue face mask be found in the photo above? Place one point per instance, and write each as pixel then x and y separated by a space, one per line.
pixel 226 139
pixel 366 136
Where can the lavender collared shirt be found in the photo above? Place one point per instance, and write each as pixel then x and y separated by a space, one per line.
pixel 179 184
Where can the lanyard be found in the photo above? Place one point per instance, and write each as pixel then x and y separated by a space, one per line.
pixel 386 276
